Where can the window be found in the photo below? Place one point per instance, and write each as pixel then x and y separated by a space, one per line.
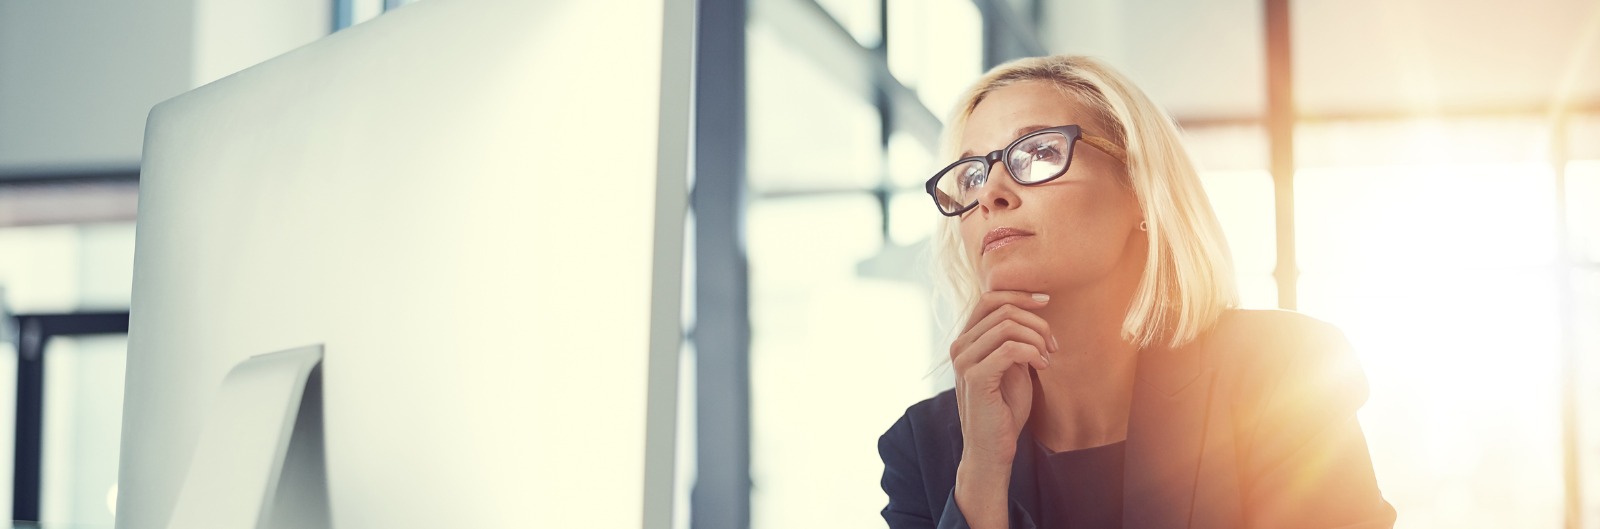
pixel 1431 244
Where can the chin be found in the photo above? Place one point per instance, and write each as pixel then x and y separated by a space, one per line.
pixel 1015 278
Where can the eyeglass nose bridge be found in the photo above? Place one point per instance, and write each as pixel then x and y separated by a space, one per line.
pixel 989 161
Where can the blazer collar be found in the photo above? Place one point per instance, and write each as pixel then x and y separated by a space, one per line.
pixel 1166 435
pixel 1166 431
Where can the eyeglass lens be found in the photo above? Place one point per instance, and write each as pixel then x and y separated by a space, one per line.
pixel 1034 159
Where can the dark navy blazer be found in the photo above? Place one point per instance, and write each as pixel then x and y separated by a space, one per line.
pixel 1251 426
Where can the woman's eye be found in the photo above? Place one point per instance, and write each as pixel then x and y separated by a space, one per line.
pixel 1046 153
pixel 971 178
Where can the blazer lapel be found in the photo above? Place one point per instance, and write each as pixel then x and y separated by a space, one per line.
pixel 1166 432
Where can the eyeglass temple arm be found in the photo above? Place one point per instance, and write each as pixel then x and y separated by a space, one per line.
pixel 1106 146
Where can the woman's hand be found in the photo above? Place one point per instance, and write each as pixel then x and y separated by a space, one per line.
pixel 994 391
pixel 994 395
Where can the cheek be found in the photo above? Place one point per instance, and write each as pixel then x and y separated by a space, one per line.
pixel 1088 223
pixel 1106 202
pixel 970 236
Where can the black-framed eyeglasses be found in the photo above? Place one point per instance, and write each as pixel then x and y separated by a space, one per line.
pixel 1035 158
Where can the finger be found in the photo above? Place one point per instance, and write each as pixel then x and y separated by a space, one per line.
pixel 990 301
pixel 987 373
pixel 1008 331
pixel 1002 314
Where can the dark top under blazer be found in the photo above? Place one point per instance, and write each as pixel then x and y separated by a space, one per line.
pixel 1253 427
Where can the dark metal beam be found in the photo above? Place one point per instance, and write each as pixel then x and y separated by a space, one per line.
pixel 26 474
pixel 34 333
pixel 53 177
pixel 1280 141
pixel 885 106
pixel 810 30
pixel 994 51
pixel 343 14
pixel 1013 35
pixel 721 496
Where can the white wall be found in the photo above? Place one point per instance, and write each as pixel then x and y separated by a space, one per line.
pixel 77 79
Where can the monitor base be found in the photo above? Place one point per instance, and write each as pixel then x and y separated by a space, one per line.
pixel 260 462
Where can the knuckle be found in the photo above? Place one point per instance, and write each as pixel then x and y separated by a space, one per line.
pixel 1021 350
pixel 1009 326
pixel 1020 332
pixel 960 364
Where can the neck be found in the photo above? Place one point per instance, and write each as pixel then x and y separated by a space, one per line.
pixel 1083 399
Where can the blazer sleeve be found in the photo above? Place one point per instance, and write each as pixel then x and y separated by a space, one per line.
pixel 1306 464
pixel 903 482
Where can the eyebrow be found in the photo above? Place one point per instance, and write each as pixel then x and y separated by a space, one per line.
pixel 1018 134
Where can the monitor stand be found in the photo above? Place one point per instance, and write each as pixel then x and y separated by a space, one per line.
pixel 260 463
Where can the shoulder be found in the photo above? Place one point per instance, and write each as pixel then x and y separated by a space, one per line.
pixel 932 417
pixel 1268 328
pixel 1243 338
pixel 928 432
pixel 920 454
pixel 1276 350
pixel 938 408
pixel 1295 389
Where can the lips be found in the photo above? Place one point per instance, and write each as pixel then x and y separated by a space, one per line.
pixel 999 237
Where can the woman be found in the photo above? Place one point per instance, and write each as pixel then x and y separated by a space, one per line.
pixel 1104 376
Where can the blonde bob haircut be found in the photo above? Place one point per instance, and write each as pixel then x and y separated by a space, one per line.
pixel 1187 281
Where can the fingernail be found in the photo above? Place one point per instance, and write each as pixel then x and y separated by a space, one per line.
pixel 1046 360
pixel 1041 297
pixel 1054 347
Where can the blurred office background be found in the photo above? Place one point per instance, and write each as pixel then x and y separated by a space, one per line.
pixel 1423 173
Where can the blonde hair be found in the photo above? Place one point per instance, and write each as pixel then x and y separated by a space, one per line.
pixel 1188 272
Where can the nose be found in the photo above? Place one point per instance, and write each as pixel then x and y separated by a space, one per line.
pixel 999 191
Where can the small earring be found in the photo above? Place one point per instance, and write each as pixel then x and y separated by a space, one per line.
pixel 1144 226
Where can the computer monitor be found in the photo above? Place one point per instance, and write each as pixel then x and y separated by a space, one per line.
pixel 475 208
